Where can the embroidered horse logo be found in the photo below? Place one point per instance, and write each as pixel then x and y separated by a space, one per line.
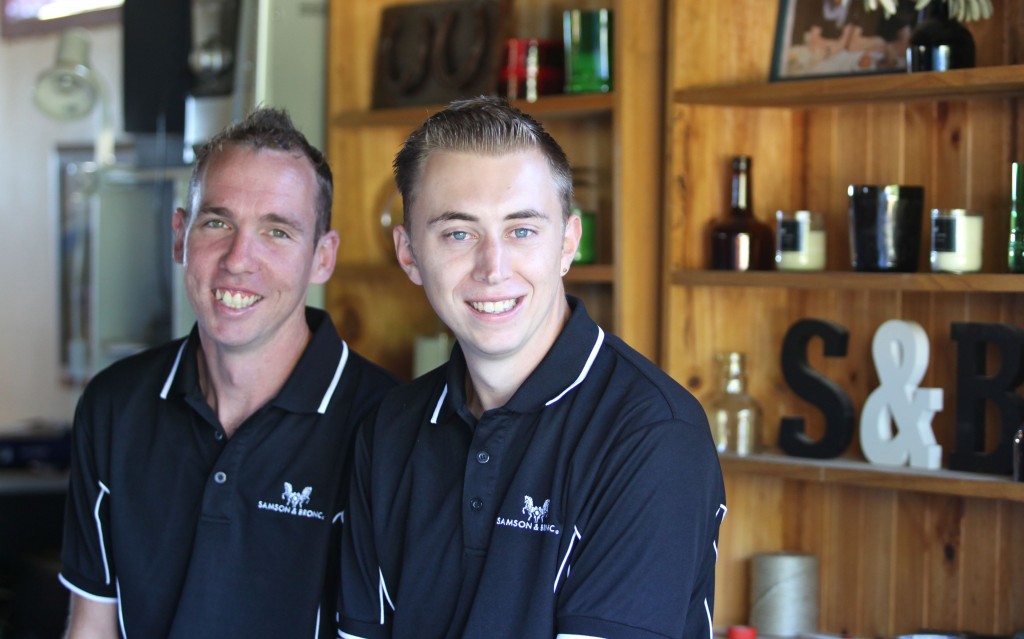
pixel 536 514
pixel 294 499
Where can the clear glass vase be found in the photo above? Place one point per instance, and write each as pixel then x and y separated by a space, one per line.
pixel 735 416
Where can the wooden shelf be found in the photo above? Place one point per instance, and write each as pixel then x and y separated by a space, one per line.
pixel 554 106
pixel 958 84
pixel 578 274
pixel 853 281
pixel 861 473
pixel 591 274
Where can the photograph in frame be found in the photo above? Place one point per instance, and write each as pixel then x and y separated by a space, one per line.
pixel 827 38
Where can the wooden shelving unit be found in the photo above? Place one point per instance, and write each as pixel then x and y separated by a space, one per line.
pixel 899 549
pixel 850 281
pixel 546 107
pixel 616 136
pixel 958 84
pixel 853 472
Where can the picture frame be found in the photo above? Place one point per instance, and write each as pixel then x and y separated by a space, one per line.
pixel 828 38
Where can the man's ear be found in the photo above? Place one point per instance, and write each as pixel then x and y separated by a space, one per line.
pixel 179 223
pixel 325 256
pixel 406 257
pixel 571 240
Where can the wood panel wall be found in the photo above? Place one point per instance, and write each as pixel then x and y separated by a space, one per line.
pixel 890 562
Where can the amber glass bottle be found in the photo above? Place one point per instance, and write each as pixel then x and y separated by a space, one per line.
pixel 741 242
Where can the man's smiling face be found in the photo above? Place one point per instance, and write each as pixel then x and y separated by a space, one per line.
pixel 488 244
pixel 249 251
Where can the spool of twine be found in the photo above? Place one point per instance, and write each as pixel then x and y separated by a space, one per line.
pixel 784 593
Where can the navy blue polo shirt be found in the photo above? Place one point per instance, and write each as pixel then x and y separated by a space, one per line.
pixel 193 534
pixel 589 504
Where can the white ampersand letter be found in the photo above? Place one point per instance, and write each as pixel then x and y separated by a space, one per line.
pixel 900 352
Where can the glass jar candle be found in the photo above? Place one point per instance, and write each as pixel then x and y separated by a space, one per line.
pixel 800 241
pixel 956 241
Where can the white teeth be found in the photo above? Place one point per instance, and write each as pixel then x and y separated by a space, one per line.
pixel 236 300
pixel 493 307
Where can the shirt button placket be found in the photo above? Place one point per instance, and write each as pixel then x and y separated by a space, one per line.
pixel 220 477
pixel 483 457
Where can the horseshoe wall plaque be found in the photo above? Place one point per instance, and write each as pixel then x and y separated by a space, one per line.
pixel 435 52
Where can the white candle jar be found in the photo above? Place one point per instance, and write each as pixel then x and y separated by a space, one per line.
pixel 956 241
pixel 800 241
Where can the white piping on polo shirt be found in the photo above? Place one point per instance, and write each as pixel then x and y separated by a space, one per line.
pixel 565 560
pixel 384 595
pixel 577 382
pixel 323 403
pixel 707 611
pixel 120 611
pixel 334 382
pixel 440 402
pixel 85 595
pixel 174 369
pixel 99 529
pixel 586 367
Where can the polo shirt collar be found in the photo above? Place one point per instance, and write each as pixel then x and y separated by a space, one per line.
pixel 564 367
pixel 307 390
pixel 316 376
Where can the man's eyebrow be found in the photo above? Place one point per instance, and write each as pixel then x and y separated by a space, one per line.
pixel 448 216
pixel 214 210
pixel 526 214
pixel 281 219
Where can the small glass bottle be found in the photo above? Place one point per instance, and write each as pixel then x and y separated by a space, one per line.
pixel 735 416
pixel 1016 243
pixel 741 242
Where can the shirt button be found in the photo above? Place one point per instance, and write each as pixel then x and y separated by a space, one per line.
pixel 220 477
pixel 476 504
pixel 218 435
pixel 483 457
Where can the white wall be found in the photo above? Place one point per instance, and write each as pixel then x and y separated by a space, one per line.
pixel 30 383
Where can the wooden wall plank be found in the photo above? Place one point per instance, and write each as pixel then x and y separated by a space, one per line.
pixel 941 547
pixel 842 601
pixel 757 528
pixel 1012 559
pixel 876 570
pixel 979 599
pixel 910 564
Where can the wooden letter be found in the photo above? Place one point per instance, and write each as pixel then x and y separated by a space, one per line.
pixel 900 352
pixel 974 388
pixel 816 389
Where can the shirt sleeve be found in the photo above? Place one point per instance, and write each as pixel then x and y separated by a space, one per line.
pixel 643 561
pixel 87 566
pixel 364 603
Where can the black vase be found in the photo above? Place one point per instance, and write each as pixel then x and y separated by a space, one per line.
pixel 939 43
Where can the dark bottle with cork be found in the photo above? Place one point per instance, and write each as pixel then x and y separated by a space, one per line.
pixel 741 242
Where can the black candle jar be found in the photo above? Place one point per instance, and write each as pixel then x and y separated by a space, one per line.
pixel 885 227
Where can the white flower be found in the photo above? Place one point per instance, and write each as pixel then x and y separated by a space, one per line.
pixel 962 10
